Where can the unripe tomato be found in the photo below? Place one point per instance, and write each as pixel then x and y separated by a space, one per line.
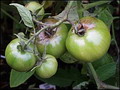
pixel 34 6
pixel 17 59
pixel 90 40
pixel 55 42
pixel 48 67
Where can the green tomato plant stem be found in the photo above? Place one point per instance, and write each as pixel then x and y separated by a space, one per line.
pixel 37 33
pixel 94 73
pixel 50 26
pixel 90 5
pixel 14 19
pixel 80 9
pixel 118 57
pixel 9 15
pixel 100 84
pixel 87 6
pixel 34 41
pixel 118 50
pixel 37 22
pixel 40 60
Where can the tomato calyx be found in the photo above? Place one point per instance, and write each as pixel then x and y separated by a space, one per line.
pixel 50 32
pixel 20 48
pixel 79 29
pixel 39 62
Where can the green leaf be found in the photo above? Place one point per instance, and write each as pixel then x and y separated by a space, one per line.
pixel 84 69
pixel 72 15
pixel 87 13
pixel 17 78
pixel 58 6
pixel 80 9
pixel 25 15
pixel 110 8
pixel 68 58
pixel 90 5
pixel 112 80
pixel 106 71
pixel 65 77
pixel 104 15
pixel 76 10
pixel 48 3
pixel 103 61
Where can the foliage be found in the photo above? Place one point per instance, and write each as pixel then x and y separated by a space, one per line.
pixel 17 78
pixel 65 77
pixel 105 67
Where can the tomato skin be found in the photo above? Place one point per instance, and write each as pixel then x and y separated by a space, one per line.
pixel 93 45
pixel 55 45
pixel 48 68
pixel 19 61
pixel 34 6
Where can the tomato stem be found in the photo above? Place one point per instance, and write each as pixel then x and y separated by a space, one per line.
pixel 80 9
pixel 94 73
pixel 99 83
pixel 118 52
pixel 37 22
pixel 50 26
pixel 20 48
pixel 47 27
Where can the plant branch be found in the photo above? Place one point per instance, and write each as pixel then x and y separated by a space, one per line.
pixel 14 19
pixel 47 27
pixel 94 74
pixel 50 26
pixel 99 83
pixel 118 50
pixel 9 15
pixel 87 6
pixel 36 21
pixel 80 9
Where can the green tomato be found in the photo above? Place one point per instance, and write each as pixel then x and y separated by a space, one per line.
pixel 17 59
pixel 34 6
pixel 55 44
pixel 48 67
pixel 93 43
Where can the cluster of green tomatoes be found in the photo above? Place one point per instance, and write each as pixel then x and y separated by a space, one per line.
pixel 87 40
